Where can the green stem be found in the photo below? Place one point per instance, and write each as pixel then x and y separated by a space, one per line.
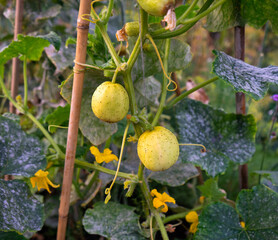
pixel 203 14
pixel 185 14
pixel 77 174
pixel 130 89
pixel 180 215
pixel 134 54
pixel 25 82
pixel 31 117
pixel 141 38
pixel 148 198
pixel 162 33
pixel 115 76
pixel 185 94
pixel 156 214
pixel 7 95
pixel 45 133
pixel 164 84
pixel 87 165
pixel 161 225
pixel 143 22
pixel 109 44
pixel 109 11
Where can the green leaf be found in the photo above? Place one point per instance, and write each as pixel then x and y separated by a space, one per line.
pixel 31 47
pixel 70 40
pixel 20 211
pixel 257 208
pixel 11 236
pixel 256 13
pixel 253 12
pixel 179 57
pixel 21 154
pixel 147 92
pixel 219 221
pixel 270 185
pixel 59 116
pixel 62 59
pixel 14 117
pixel 211 191
pixel 91 127
pixel 182 8
pixel 176 175
pixel 244 77
pixel 227 137
pixel 113 220
pixel 224 17
pixel 271 175
pixel 50 12
pixel 53 39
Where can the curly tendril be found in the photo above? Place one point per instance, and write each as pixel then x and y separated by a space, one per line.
pixel 161 63
pixel 92 15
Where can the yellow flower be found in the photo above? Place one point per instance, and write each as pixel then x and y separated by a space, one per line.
pixel 160 200
pixel 193 227
pixel 202 199
pixel 192 217
pixel 106 156
pixel 242 224
pixel 42 181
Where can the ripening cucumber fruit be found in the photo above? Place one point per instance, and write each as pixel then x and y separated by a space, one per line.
pixel 157 8
pixel 110 102
pixel 158 149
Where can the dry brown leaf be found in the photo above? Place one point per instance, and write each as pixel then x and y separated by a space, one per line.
pixel 199 95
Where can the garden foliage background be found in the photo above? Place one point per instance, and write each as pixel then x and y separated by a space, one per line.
pixel 230 139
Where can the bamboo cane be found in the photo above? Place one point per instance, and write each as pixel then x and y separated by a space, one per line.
pixel 81 48
pixel 240 97
pixel 15 64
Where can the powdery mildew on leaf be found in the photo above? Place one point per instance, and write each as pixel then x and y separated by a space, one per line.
pixel 20 211
pixel 112 220
pixel 227 137
pixel 147 92
pixel 177 175
pixel 257 208
pixel 244 77
pixel 21 154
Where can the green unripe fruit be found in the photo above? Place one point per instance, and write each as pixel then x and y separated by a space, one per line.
pixel 132 28
pixel 110 102
pixel 158 149
pixel 157 8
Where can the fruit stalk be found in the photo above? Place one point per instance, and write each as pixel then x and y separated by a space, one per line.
pixel 162 33
pixel 81 51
